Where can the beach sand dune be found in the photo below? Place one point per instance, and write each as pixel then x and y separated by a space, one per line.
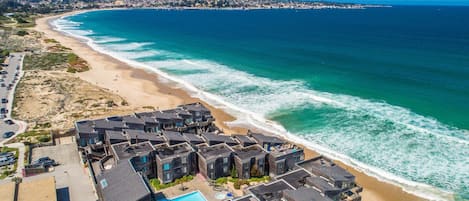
pixel 142 89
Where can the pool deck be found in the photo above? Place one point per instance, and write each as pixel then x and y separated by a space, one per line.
pixel 199 183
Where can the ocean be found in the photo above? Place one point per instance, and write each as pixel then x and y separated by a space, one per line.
pixel 385 90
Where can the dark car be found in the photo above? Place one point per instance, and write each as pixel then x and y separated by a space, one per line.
pixel 9 122
pixel 7 154
pixel 8 134
pixel 3 111
pixel 3 85
pixel 4 100
pixel 45 161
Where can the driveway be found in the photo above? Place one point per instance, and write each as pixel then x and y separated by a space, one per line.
pixel 72 179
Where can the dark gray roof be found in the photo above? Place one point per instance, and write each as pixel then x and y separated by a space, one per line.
pixel 178 111
pixel 304 194
pixel 244 139
pixel 106 124
pixel 125 150
pixel 295 178
pixel 166 115
pixel 164 151
pixel 285 151
pixel 196 107
pixel 261 138
pixel 209 137
pixel 85 127
pixel 122 183
pixel 245 153
pixel 149 119
pixel 115 135
pixel 322 166
pixel 142 135
pixel 249 197
pixel 321 184
pixel 271 191
pixel 132 119
pixel 173 136
pixel 215 151
pixel 193 138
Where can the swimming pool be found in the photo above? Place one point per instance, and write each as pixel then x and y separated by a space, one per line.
pixel 192 196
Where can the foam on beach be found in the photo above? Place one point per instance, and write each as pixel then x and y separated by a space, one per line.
pixel 411 148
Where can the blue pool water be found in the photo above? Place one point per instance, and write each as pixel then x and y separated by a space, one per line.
pixel 194 196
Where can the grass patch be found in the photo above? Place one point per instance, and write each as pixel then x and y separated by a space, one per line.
pixel 22 33
pixel 76 64
pixel 34 136
pixel 50 40
pixel 45 61
pixel 157 185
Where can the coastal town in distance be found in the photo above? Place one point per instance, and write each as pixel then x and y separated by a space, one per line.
pixel 80 123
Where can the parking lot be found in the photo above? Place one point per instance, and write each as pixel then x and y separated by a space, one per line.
pixel 10 74
pixel 72 180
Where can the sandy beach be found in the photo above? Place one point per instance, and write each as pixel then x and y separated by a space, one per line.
pixel 144 89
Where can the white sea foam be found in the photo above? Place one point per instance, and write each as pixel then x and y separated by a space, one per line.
pixel 107 39
pixel 251 98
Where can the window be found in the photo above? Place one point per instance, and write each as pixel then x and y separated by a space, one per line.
pixel 167 176
pixel 166 166
pixel 144 159
pixel 184 170
pixel 225 169
pixel 225 160
pixel 184 160
pixel 210 166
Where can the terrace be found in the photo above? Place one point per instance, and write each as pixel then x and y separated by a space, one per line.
pixel 173 137
pixel 323 167
pixel 272 191
pixel 213 139
pixel 165 151
pixel 126 150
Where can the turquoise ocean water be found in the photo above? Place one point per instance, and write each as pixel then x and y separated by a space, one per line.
pixel 385 89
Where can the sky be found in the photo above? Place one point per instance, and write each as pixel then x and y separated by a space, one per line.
pixel 409 2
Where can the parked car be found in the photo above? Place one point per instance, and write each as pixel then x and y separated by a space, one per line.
pixel 4 100
pixel 45 161
pixel 7 154
pixel 7 161
pixel 3 111
pixel 9 122
pixel 8 134
pixel 3 85
pixel 3 72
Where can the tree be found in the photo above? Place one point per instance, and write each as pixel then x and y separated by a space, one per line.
pixel 234 174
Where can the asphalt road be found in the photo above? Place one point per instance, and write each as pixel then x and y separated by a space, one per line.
pixel 9 78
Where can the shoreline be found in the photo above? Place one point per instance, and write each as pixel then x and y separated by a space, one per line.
pixel 144 88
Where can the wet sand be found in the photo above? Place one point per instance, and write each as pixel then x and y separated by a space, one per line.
pixel 142 88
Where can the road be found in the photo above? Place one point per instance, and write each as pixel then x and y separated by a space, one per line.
pixel 11 74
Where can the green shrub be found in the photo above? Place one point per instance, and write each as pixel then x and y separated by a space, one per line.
pixel 221 180
pixel 22 33
pixel 155 183
pixel 44 138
